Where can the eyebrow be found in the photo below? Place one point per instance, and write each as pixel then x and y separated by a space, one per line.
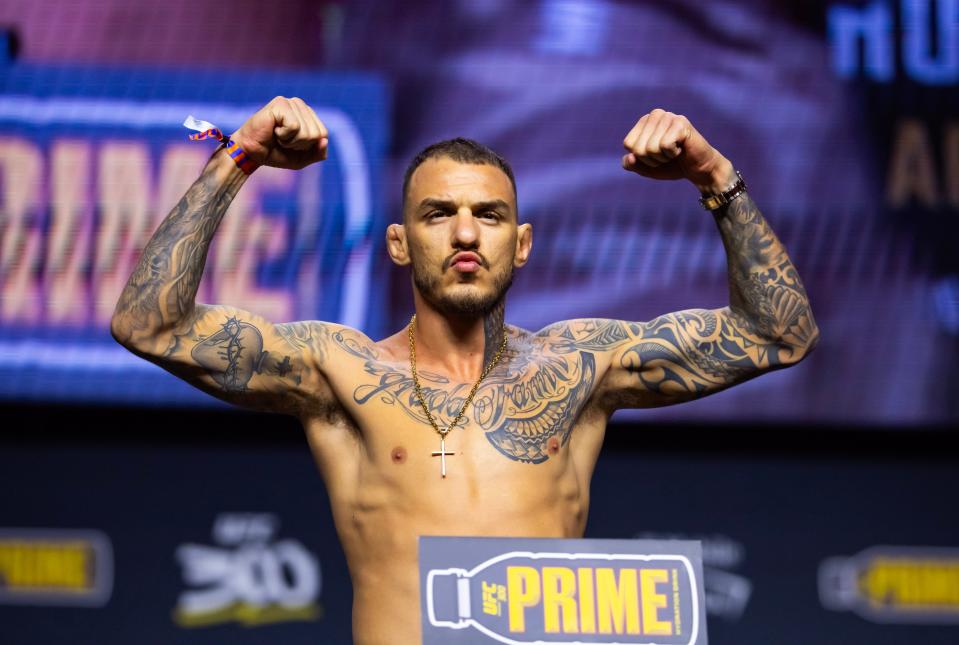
pixel 449 206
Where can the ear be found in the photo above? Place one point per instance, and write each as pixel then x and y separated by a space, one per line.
pixel 524 244
pixel 396 244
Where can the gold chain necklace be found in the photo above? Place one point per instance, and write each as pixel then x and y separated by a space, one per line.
pixel 442 453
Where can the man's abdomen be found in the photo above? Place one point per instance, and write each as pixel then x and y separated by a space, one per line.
pixel 388 513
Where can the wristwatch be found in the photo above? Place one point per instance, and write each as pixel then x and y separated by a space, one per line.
pixel 712 202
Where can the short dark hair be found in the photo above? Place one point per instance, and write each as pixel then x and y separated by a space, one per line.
pixel 462 150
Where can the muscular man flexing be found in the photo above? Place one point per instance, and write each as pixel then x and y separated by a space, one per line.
pixel 520 459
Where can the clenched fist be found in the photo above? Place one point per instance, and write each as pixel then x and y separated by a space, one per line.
pixel 284 133
pixel 663 145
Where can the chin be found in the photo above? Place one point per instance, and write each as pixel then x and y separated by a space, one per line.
pixel 467 302
pixel 463 299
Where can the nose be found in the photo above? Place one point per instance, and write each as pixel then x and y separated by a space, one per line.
pixel 465 229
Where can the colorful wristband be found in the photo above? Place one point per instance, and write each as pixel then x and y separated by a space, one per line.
pixel 240 158
pixel 207 130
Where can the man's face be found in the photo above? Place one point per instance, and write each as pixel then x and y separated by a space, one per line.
pixel 462 235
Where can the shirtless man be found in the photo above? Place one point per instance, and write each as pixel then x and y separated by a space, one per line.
pixel 519 461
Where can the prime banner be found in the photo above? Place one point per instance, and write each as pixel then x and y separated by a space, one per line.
pixel 94 158
pixel 550 592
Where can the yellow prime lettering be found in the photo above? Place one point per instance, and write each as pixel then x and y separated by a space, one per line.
pixel 587 601
pixel 617 603
pixel 654 601
pixel 559 585
pixel 42 564
pixel 911 582
pixel 522 589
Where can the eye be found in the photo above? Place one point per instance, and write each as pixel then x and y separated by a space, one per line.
pixel 490 214
pixel 435 214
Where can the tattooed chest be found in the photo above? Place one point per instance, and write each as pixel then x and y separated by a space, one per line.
pixel 523 407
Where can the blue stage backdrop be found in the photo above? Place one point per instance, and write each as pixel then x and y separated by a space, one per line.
pixel 95 158
pixel 841 115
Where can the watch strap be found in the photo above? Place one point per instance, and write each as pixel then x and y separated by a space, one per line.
pixel 712 202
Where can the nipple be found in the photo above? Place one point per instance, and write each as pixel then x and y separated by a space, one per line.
pixel 398 455
pixel 552 444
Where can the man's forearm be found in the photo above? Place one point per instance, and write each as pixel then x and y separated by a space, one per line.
pixel 766 297
pixel 161 291
pixel 765 290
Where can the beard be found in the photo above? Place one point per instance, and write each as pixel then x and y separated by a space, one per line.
pixel 466 305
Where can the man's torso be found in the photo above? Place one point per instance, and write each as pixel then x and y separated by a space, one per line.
pixel 522 460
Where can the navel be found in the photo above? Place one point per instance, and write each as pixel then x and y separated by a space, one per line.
pixel 552 444
pixel 398 455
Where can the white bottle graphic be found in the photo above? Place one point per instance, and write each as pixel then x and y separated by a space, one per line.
pixel 525 597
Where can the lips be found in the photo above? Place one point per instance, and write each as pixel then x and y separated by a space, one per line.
pixel 467 262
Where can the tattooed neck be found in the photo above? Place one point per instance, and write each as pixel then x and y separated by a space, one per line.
pixel 493 331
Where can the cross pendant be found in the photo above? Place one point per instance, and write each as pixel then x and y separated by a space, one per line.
pixel 441 453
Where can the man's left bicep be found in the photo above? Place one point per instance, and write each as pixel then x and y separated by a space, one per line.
pixel 686 355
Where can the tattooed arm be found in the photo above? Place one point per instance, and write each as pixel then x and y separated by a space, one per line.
pixel 689 354
pixel 233 354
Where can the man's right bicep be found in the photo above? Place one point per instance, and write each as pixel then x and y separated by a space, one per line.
pixel 244 359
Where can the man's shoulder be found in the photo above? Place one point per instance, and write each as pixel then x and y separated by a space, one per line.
pixel 321 341
pixel 596 334
pixel 356 343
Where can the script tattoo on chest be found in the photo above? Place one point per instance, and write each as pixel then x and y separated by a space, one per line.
pixel 534 393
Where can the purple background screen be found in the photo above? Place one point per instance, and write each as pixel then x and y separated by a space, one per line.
pixel 841 117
